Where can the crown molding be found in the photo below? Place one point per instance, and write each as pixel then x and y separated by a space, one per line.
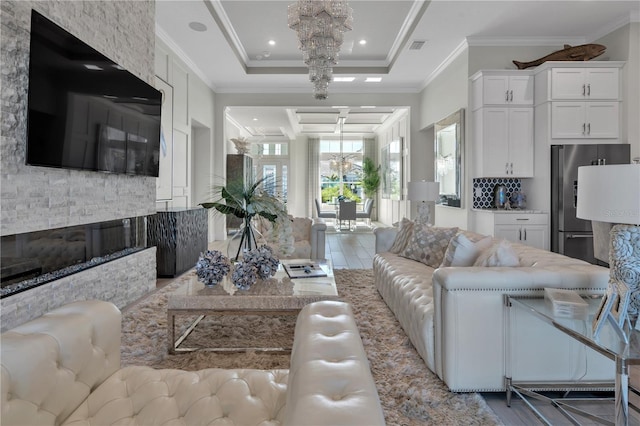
pixel 177 50
pixel 461 48
pixel 406 30
pixel 226 28
pixel 634 16
pixel 524 41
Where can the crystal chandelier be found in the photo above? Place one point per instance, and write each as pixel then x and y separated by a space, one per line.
pixel 320 25
pixel 341 163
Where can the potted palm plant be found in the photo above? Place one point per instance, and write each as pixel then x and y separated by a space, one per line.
pixel 246 202
pixel 370 177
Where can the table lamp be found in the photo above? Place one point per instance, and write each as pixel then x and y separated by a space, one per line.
pixel 425 192
pixel 612 194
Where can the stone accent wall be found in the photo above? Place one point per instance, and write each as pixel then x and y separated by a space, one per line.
pixel 37 198
pixel 121 282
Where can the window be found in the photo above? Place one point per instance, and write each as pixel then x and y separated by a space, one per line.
pixel 271 160
pixel 341 169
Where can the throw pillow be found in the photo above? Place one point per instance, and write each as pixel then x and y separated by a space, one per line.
pixel 406 229
pixel 427 244
pixel 500 253
pixel 464 252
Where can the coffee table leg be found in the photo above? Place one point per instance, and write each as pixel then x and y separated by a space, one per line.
pixel 171 331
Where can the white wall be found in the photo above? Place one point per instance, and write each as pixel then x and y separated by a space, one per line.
pixel 443 96
pixel 624 45
pixel 196 159
pixel 392 211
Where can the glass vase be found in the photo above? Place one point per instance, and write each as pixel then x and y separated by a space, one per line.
pixel 244 239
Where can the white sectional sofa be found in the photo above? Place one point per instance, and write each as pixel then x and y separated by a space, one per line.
pixel 456 317
pixel 64 369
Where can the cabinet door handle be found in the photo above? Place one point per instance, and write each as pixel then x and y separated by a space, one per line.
pixel 511 168
pixel 506 96
pixel 584 128
pixel 588 89
pixel 506 168
pixel 511 95
pixel 520 234
pixel 524 218
pixel 525 234
pixel 584 90
pixel 588 128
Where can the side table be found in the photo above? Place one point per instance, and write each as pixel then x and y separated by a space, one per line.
pixel 608 343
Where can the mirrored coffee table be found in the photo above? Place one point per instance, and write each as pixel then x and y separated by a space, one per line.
pixel 278 295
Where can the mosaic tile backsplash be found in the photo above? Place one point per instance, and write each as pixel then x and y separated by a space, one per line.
pixel 483 190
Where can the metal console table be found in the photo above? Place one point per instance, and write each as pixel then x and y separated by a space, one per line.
pixel 608 343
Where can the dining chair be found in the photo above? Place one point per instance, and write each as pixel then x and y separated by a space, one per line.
pixel 324 214
pixel 346 212
pixel 365 213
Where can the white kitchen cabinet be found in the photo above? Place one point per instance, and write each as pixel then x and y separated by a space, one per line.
pixel 500 87
pixel 585 83
pixel 589 120
pixel 531 229
pixel 504 138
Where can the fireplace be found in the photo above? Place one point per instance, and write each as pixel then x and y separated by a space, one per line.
pixel 35 258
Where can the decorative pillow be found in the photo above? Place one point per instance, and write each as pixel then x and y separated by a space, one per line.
pixel 406 229
pixel 500 253
pixel 464 252
pixel 427 244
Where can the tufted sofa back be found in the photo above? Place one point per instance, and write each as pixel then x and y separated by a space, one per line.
pixel 70 353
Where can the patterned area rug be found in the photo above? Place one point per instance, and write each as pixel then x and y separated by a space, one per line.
pixel 410 393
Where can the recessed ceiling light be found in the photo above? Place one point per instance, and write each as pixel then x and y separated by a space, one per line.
pixel 373 80
pixel 347 79
pixel 254 119
pixel 92 67
pixel 367 106
pixel 197 26
pixel 363 42
pixel 272 42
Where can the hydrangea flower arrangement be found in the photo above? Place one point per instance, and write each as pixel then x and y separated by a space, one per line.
pixel 244 275
pixel 264 260
pixel 212 266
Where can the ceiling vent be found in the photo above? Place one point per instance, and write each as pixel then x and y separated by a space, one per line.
pixel 416 45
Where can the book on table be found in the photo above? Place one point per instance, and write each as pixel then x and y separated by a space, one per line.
pixel 305 270
pixel 566 303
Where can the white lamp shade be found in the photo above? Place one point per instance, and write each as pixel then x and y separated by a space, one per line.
pixel 609 193
pixel 423 191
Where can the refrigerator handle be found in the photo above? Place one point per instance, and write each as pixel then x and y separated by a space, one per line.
pixel 570 236
pixel 575 194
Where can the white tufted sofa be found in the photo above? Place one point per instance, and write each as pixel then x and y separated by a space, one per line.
pixel 455 317
pixel 64 369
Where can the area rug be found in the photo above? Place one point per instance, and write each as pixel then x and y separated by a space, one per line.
pixel 409 392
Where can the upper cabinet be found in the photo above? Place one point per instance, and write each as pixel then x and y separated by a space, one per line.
pixel 578 101
pixel 585 83
pixel 502 123
pixel 499 88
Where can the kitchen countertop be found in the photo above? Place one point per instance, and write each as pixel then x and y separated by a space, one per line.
pixel 513 211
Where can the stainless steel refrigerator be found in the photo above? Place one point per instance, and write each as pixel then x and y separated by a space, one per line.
pixel 569 235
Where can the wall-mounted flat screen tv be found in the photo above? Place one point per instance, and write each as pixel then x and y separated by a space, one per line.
pixel 85 111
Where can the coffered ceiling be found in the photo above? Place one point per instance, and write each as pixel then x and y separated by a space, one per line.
pixel 408 42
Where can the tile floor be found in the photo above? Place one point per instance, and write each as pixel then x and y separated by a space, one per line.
pixel 350 249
